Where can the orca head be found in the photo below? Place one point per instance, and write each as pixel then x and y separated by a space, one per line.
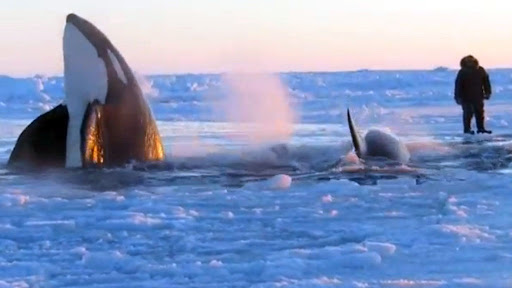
pixel 104 119
pixel 95 74
pixel 381 143
pixel 76 31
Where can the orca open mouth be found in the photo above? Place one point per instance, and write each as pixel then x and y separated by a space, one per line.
pixel 93 140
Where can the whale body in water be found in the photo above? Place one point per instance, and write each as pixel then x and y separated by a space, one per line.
pixel 104 119
pixel 377 143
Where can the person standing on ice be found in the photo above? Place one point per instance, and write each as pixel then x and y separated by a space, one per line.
pixel 472 87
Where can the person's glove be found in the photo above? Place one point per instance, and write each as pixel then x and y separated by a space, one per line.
pixel 458 101
pixel 487 96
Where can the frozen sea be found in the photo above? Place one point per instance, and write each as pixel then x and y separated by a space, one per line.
pixel 293 213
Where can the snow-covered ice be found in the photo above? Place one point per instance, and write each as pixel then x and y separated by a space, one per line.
pixel 289 213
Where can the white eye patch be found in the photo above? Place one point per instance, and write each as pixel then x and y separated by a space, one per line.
pixel 117 66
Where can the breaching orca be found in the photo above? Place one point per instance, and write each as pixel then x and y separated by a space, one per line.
pixel 377 143
pixel 104 119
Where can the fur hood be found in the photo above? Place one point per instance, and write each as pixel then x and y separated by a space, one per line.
pixel 469 62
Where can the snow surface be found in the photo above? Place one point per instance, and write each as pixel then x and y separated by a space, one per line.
pixel 292 214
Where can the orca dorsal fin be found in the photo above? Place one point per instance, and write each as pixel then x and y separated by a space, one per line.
pixel 356 139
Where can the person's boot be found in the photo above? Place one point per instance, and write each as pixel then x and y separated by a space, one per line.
pixel 480 128
pixel 479 117
pixel 471 132
pixel 482 131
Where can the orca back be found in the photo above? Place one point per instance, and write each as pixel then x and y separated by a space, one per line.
pixel 382 144
pixel 43 142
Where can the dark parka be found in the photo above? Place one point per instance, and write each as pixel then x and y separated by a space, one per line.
pixel 472 84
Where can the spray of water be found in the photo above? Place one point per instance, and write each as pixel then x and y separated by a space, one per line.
pixel 258 105
pixel 146 85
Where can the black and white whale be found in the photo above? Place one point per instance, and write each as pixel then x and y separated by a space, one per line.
pixel 104 119
pixel 377 143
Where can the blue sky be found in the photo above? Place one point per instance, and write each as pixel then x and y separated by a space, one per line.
pixel 166 36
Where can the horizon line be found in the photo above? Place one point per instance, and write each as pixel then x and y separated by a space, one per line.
pixel 153 74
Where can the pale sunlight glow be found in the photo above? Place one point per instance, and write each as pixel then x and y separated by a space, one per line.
pixel 160 36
